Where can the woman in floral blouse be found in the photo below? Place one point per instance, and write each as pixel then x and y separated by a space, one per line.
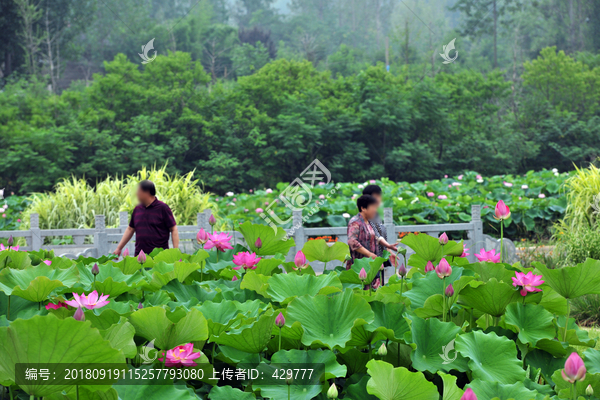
pixel 361 236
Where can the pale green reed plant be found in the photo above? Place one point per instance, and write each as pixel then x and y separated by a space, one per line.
pixel 74 202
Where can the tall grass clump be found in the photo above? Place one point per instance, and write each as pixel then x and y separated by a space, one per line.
pixel 74 203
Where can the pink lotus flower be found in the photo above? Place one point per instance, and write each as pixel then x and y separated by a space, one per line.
pixel 502 211
pixel 47 262
pixel 258 243
pixel 235 278
pixel 259 210
pixel 524 187
pixel 362 275
pixel 489 256
pixel 527 282
pixel 90 302
pixel 19 220
pixel 541 195
pixel 429 267
pixel 52 306
pixel 468 395
pixel 507 184
pixel 430 194
pixel 321 183
pixel 79 315
pixel 460 177
pixel 478 177
pixel 202 236
pixel 220 240
pixel 245 260
pixel 269 191
pixel 280 321
pixel 125 253
pixel 321 196
pixel 300 260
pixel 465 254
pixel 372 181
pixel 574 369
pixel 442 197
pixel 449 291
pixel 181 356
pixel 212 220
pixel 141 258
pixel 443 269
pixel 443 239
pixel 13 248
pixel 445 176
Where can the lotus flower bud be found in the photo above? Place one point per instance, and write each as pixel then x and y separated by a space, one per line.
pixel 449 291
pixel 289 381
pixel 235 278
pixel 443 269
pixel 589 390
pixel 258 243
pixel 95 269
pixel 574 369
pixel 382 350
pixel 212 220
pixel 202 236
pixel 125 253
pixel 468 395
pixel 402 270
pixel 79 315
pixel 140 305
pixel 362 275
pixel 280 321
pixel 10 241
pixel 348 257
pixel 443 239
pixel 429 267
pixel 141 257
pixel 502 211
pixel 332 393
pixel 300 259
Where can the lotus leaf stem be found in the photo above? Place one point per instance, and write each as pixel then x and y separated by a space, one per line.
pixel 567 322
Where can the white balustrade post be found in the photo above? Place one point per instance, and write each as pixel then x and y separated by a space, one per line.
pixel 36 234
pixel 298 228
pixel 100 239
pixel 477 237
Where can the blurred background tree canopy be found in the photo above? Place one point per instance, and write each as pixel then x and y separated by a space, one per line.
pixel 249 92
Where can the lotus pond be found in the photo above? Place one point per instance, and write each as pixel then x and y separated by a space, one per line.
pixel 462 330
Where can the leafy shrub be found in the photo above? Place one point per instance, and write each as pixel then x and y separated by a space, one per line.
pixel 74 203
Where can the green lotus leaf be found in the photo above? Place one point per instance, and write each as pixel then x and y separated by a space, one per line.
pixel 592 360
pixel 220 316
pixel 284 287
pixel 256 282
pixel 490 298
pixel 490 390
pixel 389 320
pixel 102 318
pixel 575 335
pixel 548 364
pixel 251 338
pixel 328 320
pixel 83 393
pixel 163 273
pixel 332 368
pixel 110 280
pixel 489 270
pixel 267 266
pixel 426 247
pixel 435 346
pixel 573 282
pixel 36 283
pixel 272 242
pixel 229 393
pixel 120 336
pixel 371 268
pixel 129 265
pixel 554 347
pixel 185 293
pixel 552 301
pixel 389 383
pixel 564 388
pixel 154 392
pixel 170 256
pixel 451 391
pixel 531 321
pixel 355 360
pixel 153 323
pixel 427 286
pixel 358 390
pixel 14 259
pixel 19 308
pixel 433 307
pixel 320 250
pixel 48 339
pixel 493 358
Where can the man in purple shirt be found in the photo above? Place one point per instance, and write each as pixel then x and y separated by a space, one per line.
pixel 152 221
